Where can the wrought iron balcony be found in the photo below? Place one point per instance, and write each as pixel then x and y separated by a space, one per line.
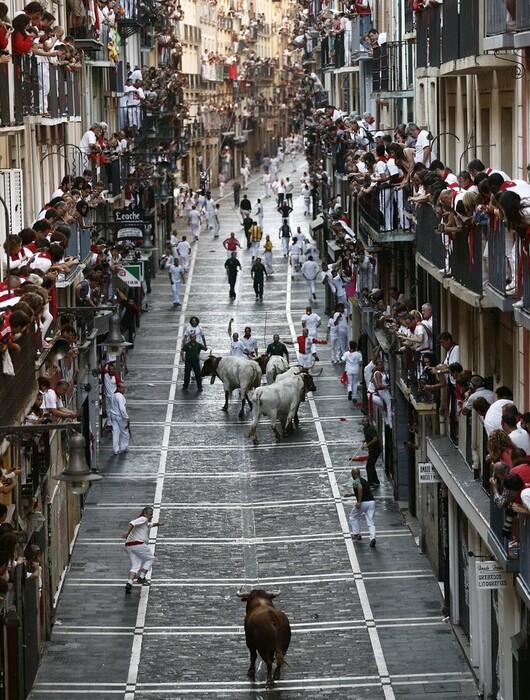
pixel 392 70
pixel 507 553
pixel 131 22
pixel 429 240
pixel 501 270
pixel 465 258
pixel 382 218
pixel 28 88
pixel 15 390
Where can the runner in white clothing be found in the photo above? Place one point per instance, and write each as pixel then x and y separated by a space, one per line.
pixel 311 321
pixel 119 420
pixel 353 362
pixel 137 545
pixel 183 251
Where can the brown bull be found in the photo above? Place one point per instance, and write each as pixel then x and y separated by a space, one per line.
pixel 267 632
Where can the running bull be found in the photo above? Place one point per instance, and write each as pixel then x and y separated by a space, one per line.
pixel 235 373
pixel 267 631
pixel 280 401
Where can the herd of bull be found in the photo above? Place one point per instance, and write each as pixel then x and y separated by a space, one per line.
pixel 279 400
pixel 267 629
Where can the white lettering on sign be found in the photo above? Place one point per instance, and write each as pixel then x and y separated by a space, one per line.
pixel 489 574
pixel 127 216
pixel 427 474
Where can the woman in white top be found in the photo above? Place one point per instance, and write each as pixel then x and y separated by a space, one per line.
pixel 194 327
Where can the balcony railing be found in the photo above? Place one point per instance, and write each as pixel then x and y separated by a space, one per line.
pixel 414 376
pixel 525 282
pixel 522 22
pixel 463 38
pixel 391 67
pixel 524 549
pixel 429 240
pixel 465 259
pixel 409 19
pixel 496 17
pixel 510 551
pixel 381 215
pixel 500 267
pixel 428 38
pixel 14 390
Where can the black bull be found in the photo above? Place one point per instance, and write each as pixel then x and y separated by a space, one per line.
pixel 267 632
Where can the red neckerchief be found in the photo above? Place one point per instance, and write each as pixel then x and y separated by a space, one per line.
pixel 507 184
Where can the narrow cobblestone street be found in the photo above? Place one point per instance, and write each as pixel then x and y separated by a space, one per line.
pixel 366 622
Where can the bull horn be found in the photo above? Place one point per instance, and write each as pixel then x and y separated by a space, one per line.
pixel 240 593
pixel 316 374
pixel 274 593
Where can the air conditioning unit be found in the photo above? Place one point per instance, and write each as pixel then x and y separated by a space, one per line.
pixel 11 191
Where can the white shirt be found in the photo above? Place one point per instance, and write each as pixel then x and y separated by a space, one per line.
pixel 342 318
pixel 199 333
pixel 453 355
pixel 368 371
pixel 520 438
pixel 492 419
pixel 354 361
pixel 88 139
pixel 421 142
pixel 237 348
pixel 295 250
pixel 109 385
pixel 51 400
pixel 140 530
pixel 486 393
pixel 117 408
pixel 184 249
pixel 311 322
pixel 333 329
pixel 195 217
pixel 310 269
pixel 250 345
pixel 175 272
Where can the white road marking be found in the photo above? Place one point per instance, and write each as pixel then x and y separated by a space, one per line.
pixel 352 555
pixel 141 615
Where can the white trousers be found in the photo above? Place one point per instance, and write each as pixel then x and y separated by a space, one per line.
pixel 221 189
pixel 44 86
pixel 368 510
pixel 311 288
pixel 336 353
pixel 175 292
pixel 141 557
pixel 353 383
pixel 185 262
pixel 254 247
pixel 383 401
pixel 120 434
pixel 267 259
pixel 285 245
pixel 343 341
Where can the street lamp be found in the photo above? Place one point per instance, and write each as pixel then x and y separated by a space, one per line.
pixel 77 474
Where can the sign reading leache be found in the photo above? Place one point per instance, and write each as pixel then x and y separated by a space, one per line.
pixel 490 575
pixel 130 225
pixel 427 474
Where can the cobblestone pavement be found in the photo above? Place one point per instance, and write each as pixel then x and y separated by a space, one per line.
pixel 366 622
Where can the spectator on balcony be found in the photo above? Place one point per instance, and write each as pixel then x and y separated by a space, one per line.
pixel 500 448
pixel 22 38
pixel 53 398
pixel 476 388
pixel 6 29
pixel 518 436
pixel 89 143
pixel 476 166
pixel 491 413
pixel 422 146
pixel 439 168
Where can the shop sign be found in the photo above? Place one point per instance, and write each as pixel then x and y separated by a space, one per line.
pixel 131 275
pixel 427 474
pixel 490 575
pixel 130 225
